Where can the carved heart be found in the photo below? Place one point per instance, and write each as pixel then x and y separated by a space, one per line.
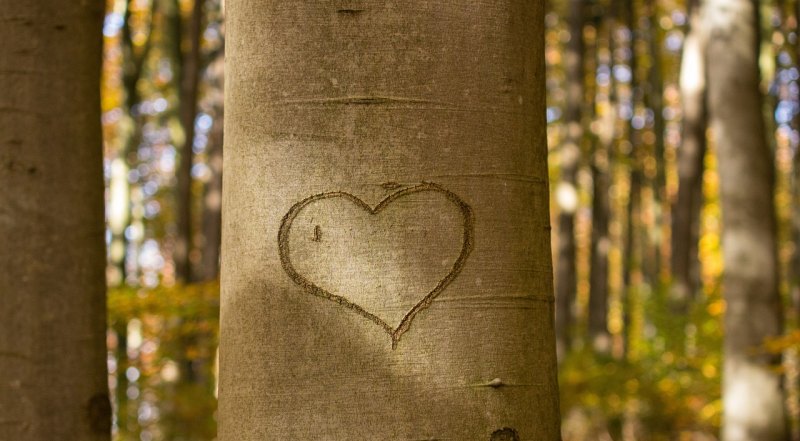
pixel 348 258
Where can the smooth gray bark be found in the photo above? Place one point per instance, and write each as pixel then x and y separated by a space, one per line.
pixel 386 267
pixel 53 378
pixel 752 391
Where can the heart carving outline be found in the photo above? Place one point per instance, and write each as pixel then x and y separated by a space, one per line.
pixel 405 323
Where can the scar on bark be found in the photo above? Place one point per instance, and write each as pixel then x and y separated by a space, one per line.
pixel 349 11
pixel 391 185
pixel 505 434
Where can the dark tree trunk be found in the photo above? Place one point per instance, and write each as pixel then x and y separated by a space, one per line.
pixel 212 197
pixel 599 335
pixel 631 250
pixel 53 377
pixel 188 55
pixel 655 94
pixel 212 204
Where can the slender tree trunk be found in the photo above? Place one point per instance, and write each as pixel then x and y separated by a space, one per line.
pixel 752 393
pixel 689 203
pixel 188 60
pixel 53 378
pixel 599 335
pixel 212 204
pixel 386 261
pixel 656 228
pixel 794 272
pixel 567 190
pixel 601 245
pixel 631 257
pixel 212 197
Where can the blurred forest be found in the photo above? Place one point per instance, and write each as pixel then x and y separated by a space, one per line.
pixel 636 213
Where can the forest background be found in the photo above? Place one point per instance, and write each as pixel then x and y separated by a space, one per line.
pixel 636 214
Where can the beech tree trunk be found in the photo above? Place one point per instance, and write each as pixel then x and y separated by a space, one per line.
pixel 386 266
pixel 53 378
pixel 689 203
pixel 752 395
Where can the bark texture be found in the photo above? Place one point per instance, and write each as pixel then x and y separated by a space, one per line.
pixel 386 266
pixel 689 203
pixel 53 383
pixel 752 395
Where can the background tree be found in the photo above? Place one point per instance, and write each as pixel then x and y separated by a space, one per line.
pixel 438 110
pixel 601 180
pixel 752 387
pixel 52 263
pixel 566 191
pixel 686 210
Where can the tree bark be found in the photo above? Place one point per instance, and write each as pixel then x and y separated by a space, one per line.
pixel 567 190
pixel 386 266
pixel 689 203
pixel 752 392
pixel 52 264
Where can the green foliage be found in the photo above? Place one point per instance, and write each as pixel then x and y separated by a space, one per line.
pixel 667 392
pixel 174 356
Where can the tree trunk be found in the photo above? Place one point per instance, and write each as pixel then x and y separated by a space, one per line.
pixel 632 261
pixel 52 268
pixel 386 261
pixel 601 245
pixel 188 60
pixel 567 190
pixel 212 203
pixel 752 393
pixel 655 101
pixel 687 207
pixel 599 335
pixel 212 197
pixel 794 272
